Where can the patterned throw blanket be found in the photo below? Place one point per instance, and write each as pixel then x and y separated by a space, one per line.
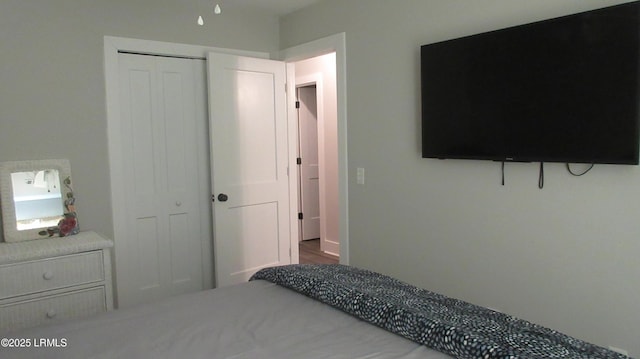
pixel 448 325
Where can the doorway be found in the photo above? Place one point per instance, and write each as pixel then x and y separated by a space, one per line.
pixel 316 105
pixel 336 46
pixel 310 120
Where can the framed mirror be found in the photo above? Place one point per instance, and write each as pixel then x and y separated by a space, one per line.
pixel 37 199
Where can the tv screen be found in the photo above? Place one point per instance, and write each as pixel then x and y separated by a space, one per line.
pixel 559 90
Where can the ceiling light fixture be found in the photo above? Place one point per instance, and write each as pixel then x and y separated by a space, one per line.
pixel 200 21
pixel 217 10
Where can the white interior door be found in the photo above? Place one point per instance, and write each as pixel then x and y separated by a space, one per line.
pixel 162 113
pixel 309 168
pixel 249 154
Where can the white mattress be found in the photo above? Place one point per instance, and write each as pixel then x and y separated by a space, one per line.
pixel 252 320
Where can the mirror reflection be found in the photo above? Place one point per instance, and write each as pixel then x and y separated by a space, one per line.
pixel 37 200
pixel 37 197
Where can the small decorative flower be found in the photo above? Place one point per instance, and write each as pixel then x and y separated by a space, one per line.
pixel 68 226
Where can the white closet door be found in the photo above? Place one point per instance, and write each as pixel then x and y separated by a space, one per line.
pixel 249 152
pixel 160 115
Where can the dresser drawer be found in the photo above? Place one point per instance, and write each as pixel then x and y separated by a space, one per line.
pixel 51 273
pixel 44 310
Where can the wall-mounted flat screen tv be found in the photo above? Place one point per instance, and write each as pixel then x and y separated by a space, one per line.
pixel 559 90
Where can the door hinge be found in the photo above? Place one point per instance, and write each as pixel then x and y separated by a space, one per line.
pixel 299 161
pixel 300 216
pixel 297 104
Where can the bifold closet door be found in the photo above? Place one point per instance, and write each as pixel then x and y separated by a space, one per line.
pixel 163 115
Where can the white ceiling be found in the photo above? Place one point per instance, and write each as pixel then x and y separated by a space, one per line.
pixel 275 7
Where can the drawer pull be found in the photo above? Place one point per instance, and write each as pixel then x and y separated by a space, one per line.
pixel 47 275
pixel 51 314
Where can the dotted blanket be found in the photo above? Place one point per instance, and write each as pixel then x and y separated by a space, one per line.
pixel 451 326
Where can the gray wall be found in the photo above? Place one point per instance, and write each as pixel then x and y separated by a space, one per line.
pixel 565 256
pixel 52 89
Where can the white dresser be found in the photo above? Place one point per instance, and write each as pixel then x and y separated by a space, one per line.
pixel 45 280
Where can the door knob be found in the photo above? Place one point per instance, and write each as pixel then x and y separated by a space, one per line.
pixel 222 197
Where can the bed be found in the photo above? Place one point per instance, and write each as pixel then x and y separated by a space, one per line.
pixel 302 311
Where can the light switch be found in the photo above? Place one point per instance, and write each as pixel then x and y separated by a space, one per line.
pixel 360 175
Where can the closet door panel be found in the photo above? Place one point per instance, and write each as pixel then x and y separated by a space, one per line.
pixel 160 113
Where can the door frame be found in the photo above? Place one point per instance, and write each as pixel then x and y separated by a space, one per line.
pixel 334 43
pixel 112 47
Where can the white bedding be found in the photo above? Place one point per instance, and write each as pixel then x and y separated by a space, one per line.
pixel 252 320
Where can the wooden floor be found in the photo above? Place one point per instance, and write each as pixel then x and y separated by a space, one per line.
pixel 310 253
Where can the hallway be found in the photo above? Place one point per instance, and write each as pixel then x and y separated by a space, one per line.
pixel 310 253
